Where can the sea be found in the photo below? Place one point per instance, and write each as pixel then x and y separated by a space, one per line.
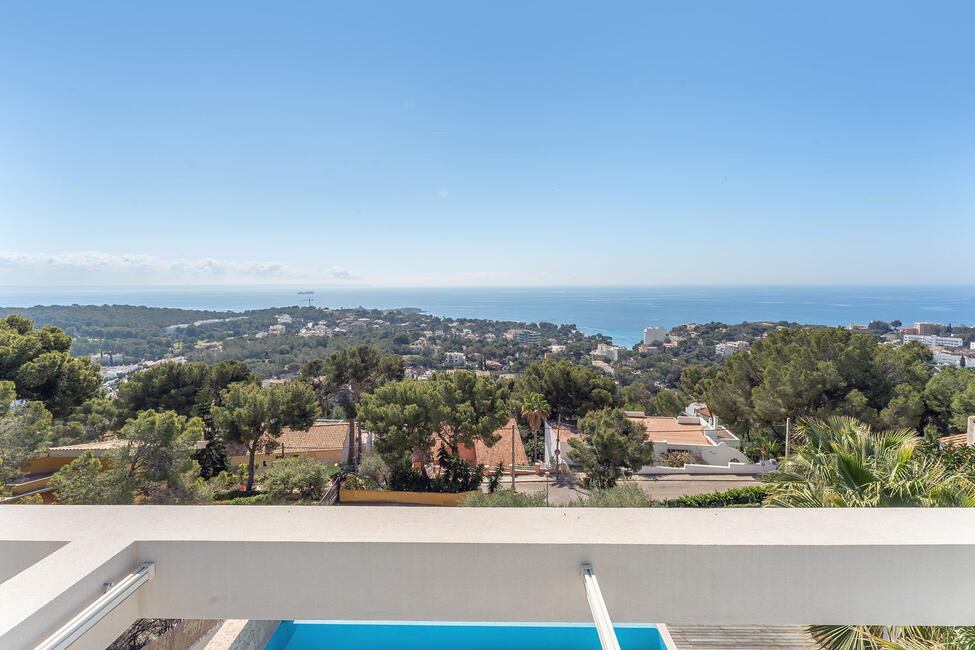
pixel 618 312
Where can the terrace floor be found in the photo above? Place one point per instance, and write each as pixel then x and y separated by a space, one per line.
pixel 735 637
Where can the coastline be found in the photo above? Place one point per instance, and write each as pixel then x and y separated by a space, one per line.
pixel 619 312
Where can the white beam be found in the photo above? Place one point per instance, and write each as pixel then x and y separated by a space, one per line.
pixel 604 625
pixel 87 618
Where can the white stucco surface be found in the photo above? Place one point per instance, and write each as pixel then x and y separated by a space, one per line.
pixel 654 565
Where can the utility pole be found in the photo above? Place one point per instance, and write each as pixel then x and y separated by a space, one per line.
pixel 558 435
pixel 788 436
pixel 514 427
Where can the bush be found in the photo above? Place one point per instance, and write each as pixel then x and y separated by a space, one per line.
pixel 504 498
pixel 256 500
pixel 404 478
pixel 236 493
pixel 628 495
pixel 373 470
pixel 494 482
pixel 296 477
pixel 676 458
pixel 744 496
pixel 456 475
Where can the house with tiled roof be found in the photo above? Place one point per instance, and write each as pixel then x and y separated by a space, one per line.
pixel 699 435
pixel 491 455
pixel 966 439
pixel 38 472
pixel 326 441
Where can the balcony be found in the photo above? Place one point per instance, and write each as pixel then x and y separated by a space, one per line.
pixel 728 567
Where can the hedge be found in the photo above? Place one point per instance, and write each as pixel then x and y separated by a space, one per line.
pixel 256 500
pixel 743 496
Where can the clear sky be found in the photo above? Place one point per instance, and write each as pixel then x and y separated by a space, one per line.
pixel 489 143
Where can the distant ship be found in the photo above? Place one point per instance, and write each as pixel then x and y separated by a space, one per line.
pixel 305 293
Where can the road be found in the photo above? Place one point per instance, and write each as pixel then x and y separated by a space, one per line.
pixel 663 487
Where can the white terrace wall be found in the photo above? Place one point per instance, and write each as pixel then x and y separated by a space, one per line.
pixel 885 565
pixel 737 469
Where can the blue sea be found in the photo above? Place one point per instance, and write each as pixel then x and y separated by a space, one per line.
pixel 619 312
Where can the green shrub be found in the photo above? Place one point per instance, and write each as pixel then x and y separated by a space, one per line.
pixel 456 475
pixel 504 498
pixel 373 470
pixel 256 500
pixel 226 495
pixel 676 458
pixel 296 477
pixel 743 496
pixel 626 495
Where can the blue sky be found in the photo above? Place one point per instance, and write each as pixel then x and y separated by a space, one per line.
pixel 487 143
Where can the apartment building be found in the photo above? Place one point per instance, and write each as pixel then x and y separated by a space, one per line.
pixel 653 335
pixel 934 341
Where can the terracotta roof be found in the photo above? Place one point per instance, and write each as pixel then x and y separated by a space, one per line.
pixel 660 429
pixel 491 456
pixel 501 450
pixel 960 440
pixel 71 451
pixel 324 435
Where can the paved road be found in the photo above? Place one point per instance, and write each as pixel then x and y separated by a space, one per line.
pixel 664 487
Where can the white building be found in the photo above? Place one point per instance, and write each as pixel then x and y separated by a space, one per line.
pixel 944 359
pixel 654 335
pixel 929 328
pixel 454 358
pixel 283 318
pixel 700 436
pixel 528 337
pixel 275 329
pixel 728 348
pixel 933 340
pixel 610 352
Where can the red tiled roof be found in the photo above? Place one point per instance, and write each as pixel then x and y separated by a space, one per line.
pixel 960 440
pixel 328 435
pixel 97 445
pixel 320 436
pixel 500 451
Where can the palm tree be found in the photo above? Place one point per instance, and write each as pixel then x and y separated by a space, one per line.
pixel 535 409
pixel 842 463
pixel 887 637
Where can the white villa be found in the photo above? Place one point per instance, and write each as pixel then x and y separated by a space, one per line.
pixel 699 435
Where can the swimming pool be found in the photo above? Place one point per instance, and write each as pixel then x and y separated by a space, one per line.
pixel 370 635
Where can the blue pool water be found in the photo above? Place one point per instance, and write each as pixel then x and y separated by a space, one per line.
pixel 345 635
